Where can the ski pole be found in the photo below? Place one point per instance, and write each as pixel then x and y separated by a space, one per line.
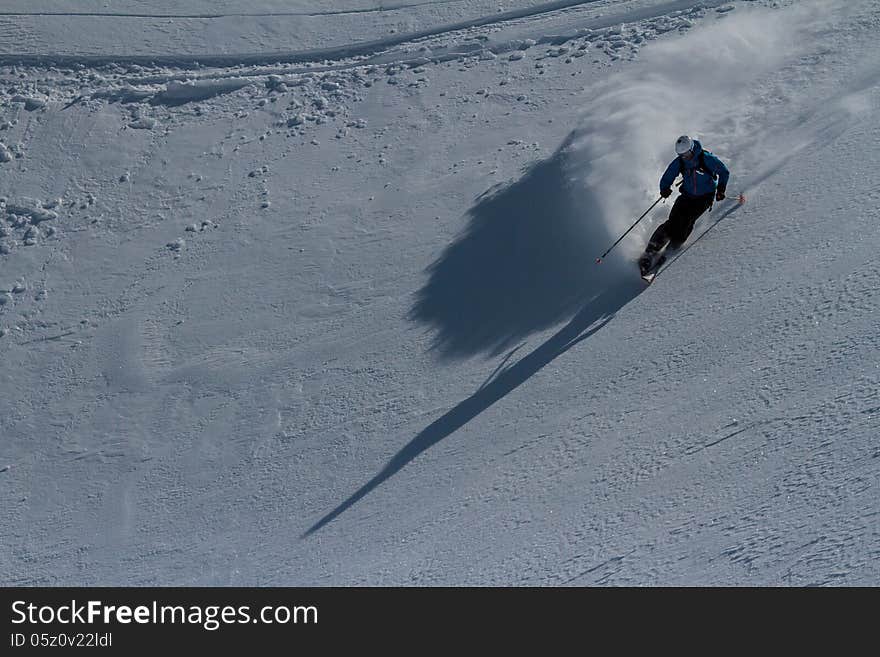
pixel 599 259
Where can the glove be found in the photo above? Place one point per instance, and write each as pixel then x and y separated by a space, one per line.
pixel 719 194
pixel 666 192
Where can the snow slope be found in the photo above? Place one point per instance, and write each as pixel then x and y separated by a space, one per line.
pixel 299 300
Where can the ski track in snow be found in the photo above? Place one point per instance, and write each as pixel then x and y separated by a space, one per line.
pixel 378 47
pixel 209 298
pixel 521 13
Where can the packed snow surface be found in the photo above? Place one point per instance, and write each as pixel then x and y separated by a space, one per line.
pixel 309 296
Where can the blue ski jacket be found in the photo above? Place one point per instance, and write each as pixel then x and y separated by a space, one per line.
pixel 697 180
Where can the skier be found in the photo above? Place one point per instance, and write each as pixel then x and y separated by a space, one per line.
pixel 705 181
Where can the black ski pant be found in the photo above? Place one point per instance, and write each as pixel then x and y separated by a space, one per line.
pixel 684 214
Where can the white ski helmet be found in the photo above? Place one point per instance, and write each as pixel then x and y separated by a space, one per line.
pixel 683 144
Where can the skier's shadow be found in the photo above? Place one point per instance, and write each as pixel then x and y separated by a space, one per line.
pixel 525 263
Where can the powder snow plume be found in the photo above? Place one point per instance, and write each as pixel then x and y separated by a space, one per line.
pixel 704 84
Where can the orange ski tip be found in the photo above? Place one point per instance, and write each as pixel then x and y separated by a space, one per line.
pixel 741 199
